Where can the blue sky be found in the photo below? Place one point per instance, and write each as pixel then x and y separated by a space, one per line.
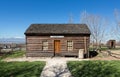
pixel 17 15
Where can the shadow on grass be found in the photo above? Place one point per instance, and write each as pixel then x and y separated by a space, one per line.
pixel 21 69
pixel 94 68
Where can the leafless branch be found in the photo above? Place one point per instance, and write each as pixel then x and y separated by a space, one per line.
pixel 96 24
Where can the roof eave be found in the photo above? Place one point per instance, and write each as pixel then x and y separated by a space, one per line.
pixel 34 34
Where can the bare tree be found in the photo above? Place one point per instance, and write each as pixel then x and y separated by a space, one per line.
pixel 97 26
pixel 117 19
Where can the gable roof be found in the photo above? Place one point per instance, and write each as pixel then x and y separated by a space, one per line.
pixel 57 29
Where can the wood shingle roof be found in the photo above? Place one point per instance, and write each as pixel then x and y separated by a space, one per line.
pixel 58 29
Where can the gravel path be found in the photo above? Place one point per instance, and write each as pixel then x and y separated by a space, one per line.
pixel 56 68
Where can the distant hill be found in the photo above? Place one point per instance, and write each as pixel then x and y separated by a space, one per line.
pixel 12 40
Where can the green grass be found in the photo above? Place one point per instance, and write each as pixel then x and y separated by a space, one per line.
pixel 14 54
pixel 115 49
pixel 94 68
pixel 104 48
pixel 21 69
pixel 17 54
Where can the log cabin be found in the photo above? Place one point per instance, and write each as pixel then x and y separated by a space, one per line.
pixel 111 44
pixel 48 40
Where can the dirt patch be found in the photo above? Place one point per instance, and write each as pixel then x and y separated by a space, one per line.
pixel 43 59
pixel 104 55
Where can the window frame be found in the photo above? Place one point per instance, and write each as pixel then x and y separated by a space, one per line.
pixel 45 45
pixel 69 45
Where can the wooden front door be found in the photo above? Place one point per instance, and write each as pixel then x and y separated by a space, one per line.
pixel 57 46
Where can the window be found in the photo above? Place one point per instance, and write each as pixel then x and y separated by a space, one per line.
pixel 70 45
pixel 45 45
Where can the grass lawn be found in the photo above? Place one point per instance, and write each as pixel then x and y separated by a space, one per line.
pixel 104 48
pixel 94 68
pixel 14 54
pixel 21 69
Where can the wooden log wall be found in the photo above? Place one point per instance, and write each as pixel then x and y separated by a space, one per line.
pixel 34 45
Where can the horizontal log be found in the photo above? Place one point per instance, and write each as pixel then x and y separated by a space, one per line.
pixel 39 54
